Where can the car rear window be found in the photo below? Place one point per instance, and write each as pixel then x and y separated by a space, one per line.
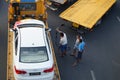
pixel 33 54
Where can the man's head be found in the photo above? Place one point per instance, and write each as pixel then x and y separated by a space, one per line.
pixel 81 40
pixel 78 36
pixel 61 35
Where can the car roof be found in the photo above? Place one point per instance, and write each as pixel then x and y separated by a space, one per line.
pixel 31 21
pixel 28 21
pixel 32 37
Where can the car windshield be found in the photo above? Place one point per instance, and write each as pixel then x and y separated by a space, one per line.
pixel 33 54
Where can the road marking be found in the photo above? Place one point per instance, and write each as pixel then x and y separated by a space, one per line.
pixel 118 18
pixel 93 75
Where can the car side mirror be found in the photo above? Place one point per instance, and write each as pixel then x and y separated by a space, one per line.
pixel 48 29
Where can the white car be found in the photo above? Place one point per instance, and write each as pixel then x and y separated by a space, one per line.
pixel 32 53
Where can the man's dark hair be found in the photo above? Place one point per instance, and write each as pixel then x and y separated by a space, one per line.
pixel 81 40
pixel 78 35
pixel 61 34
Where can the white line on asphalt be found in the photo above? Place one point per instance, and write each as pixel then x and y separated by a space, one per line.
pixel 93 75
pixel 118 18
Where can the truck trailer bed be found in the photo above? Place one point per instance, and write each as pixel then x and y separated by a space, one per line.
pixel 87 12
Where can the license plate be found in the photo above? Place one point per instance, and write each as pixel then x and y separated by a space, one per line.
pixel 37 73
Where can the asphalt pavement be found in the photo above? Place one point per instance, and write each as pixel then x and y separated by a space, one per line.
pixel 3 39
pixel 101 59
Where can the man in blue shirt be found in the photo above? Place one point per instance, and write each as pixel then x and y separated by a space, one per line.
pixel 80 51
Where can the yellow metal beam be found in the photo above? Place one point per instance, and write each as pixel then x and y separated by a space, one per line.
pixel 10 56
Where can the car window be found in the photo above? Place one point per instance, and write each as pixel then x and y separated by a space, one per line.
pixel 16 42
pixel 27 6
pixel 16 33
pixel 48 41
pixel 16 45
pixel 33 54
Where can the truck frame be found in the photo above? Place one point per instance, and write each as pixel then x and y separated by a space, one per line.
pixel 22 9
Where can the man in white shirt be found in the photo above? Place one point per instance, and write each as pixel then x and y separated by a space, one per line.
pixel 63 42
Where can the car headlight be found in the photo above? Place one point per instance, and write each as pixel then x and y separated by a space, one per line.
pixel 33 16
pixel 23 16
pixel 40 16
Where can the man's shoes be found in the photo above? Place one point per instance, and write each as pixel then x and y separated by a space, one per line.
pixel 65 54
pixel 61 55
pixel 74 64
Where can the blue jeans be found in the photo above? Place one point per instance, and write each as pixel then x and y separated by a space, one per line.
pixel 79 55
pixel 63 48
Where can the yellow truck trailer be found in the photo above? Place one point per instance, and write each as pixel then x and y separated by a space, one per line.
pixel 86 13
